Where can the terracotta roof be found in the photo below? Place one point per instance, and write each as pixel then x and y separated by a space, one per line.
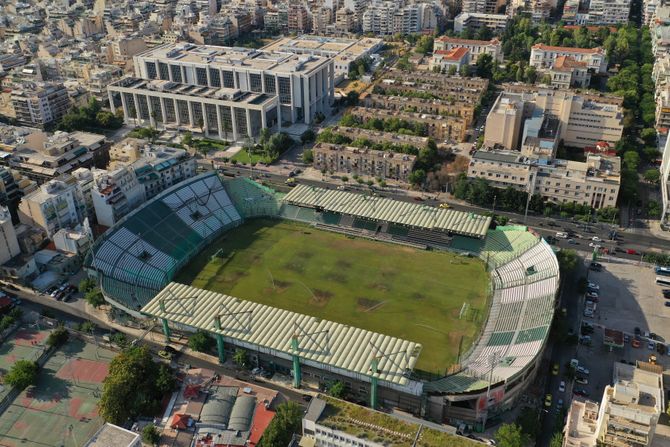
pixel 541 46
pixel 455 54
pixel 180 421
pixel 456 40
pixel 567 63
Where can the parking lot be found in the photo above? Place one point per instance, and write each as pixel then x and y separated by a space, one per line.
pixel 629 298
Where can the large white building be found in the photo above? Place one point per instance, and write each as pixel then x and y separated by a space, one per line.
pixel 224 91
pixel 608 12
pixel 475 47
pixel 55 205
pixel 387 17
pixel 544 56
pixel 9 244
pixel 475 21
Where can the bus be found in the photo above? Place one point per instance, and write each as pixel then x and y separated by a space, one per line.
pixel 663 281
pixel 663 271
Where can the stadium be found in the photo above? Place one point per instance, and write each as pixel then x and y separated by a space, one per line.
pixel 489 294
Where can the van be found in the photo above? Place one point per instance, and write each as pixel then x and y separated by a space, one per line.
pixel 562 235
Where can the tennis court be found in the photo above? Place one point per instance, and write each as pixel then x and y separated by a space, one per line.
pixel 62 408
pixel 25 343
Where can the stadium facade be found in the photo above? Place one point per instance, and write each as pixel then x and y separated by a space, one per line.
pixel 136 260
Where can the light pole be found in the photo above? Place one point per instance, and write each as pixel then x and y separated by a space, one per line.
pixel 531 189
pixel 493 361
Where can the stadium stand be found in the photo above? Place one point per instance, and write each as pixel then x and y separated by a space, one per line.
pixel 140 255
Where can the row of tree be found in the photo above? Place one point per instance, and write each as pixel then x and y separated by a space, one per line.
pixel 395 125
pixel 91 117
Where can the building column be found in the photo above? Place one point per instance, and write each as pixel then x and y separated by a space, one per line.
pixel 278 115
pixel 209 79
pixel 190 114
pixel 166 329
pixel 163 111
pixel 152 121
pixel 126 113
pixel 203 110
pixel 111 100
pixel 170 77
pixel 248 115
pixel 264 123
pixel 219 122
pixel 138 115
pixel 233 121
pixel 177 117
pixel 219 342
pixel 373 384
pixel 306 106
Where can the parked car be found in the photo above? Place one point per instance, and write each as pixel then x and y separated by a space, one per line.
pixel 630 251
pixel 580 392
pixel 667 304
pixel 562 235
pixel 596 239
pixel 651 345
pixel 635 343
pixel 445 206
pixel 555 370
pixel 582 380
pixel 596 266
pixel 561 387
pixel 626 338
pixel 582 370
pixel 593 286
pixel 547 400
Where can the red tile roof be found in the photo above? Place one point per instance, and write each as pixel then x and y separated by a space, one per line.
pixel 455 54
pixel 541 46
pixel 180 421
pixel 456 40
pixel 567 63
pixel 261 420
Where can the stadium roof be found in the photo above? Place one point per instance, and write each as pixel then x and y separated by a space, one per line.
pixel 325 342
pixel 394 211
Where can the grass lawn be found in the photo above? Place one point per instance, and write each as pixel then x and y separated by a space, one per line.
pixel 243 157
pixel 400 291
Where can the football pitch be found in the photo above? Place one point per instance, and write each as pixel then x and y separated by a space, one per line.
pixel 401 291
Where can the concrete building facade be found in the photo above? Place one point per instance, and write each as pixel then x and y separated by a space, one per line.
pixel 9 244
pixel 39 104
pixel 543 57
pixel 55 205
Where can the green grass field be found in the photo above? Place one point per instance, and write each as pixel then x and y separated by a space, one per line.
pixel 400 291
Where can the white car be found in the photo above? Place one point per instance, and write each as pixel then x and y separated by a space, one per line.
pixel 582 380
pixel 594 245
pixel 596 239
pixel 561 235
pixel 582 370
pixel 561 387
pixel 593 286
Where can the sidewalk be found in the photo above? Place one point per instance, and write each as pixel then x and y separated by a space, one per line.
pixel 654 228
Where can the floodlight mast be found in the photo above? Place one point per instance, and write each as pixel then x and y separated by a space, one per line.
pixel 374 370
pixel 299 334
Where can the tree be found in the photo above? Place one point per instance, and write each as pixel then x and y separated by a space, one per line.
pixel 201 124
pixel 58 337
pixel 201 341
pixel 94 297
pixel 556 440
pixel 22 374
pixel 649 136
pixel 308 156
pixel 452 70
pixel 286 422
pixel 131 388
pixel 336 389
pixel 187 139
pixel 424 45
pixel 546 79
pixel 417 177
pixel 86 285
pixel 485 66
pixel 307 136
pixel 150 434
pixel 240 358
pixel 652 175
pixel 509 435
pixel 567 260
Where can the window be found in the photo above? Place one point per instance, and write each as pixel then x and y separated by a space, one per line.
pixel 269 81
pixel 215 77
pixel 151 70
pixel 201 76
pixel 228 80
pixel 176 73
pixel 255 82
pixel 284 90
pixel 163 71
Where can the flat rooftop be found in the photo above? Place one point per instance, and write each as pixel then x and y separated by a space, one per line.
pixel 235 58
pixel 326 45
pixel 111 435
pixel 198 91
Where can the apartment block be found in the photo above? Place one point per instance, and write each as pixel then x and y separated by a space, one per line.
pixel 585 119
pixel 453 88
pixel 475 21
pixel 225 90
pixel 482 6
pixel 43 156
pixel 432 106
pixel 476 48
pixel 544 57
pixel 440 127
pixel 608 12
pixel 595 182
pixel 363 162
pixel 581 427
pixel 377 136
pixel 115 194
pixel 55 205
pixel 9 244
pixel 40 104
pixel 387 17
pixel 663 110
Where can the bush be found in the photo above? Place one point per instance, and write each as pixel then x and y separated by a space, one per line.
pixel 6 322
pixel 94 297
pixel 201 341
pixel 150 434
pixel 86 285
pixel 57 337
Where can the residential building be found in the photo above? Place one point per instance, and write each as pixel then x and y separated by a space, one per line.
pixel 444 60
pixel 122 49
pixel 665 180
pixel 10 60
pixel 440 127
pixel 298 19
pixel 322 18
pixel 582 424
pixel 432 106
pixel 453 88
pixel 475 21
pixel 363 162
pixel 10 192
pixel 649 10
pixel 387 17
pixel 608 12
pixel 110 435
pixel 476 48
pixel 585 119
pixel 43 156
pixel 115 194
pixel 225 90
pixel 76 242
pixel 9 244
pixel 40 104
pixel 345 21
pixel 663 110
pixel 483 6
pixel 543 57
pixel 343 51
pixel 53 206
pixel 377 136
pixel 566 72
pixel 595 182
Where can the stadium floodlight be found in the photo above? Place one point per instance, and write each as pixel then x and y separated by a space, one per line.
pixel 298 334
pixel 243 326
pixel 378 356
